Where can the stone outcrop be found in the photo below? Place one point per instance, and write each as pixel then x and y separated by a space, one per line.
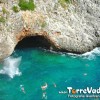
pixel 74 28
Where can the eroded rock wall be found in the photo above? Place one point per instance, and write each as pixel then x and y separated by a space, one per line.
pixel 74 28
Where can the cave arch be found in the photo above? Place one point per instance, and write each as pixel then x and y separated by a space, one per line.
pixel 34 42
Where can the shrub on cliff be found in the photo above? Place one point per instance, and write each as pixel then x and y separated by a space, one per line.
pixel 15 9
pixel 4 10
pixel 2 19
pixel 64 2
pixel 26 5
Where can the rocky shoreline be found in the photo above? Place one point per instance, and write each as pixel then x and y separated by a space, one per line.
pixel 75 28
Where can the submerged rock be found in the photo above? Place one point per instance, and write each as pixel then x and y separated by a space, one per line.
pixel 74 27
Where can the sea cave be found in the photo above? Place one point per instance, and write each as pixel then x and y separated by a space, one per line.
pixel 33 42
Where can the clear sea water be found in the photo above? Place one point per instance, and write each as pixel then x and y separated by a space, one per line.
pixel 25 71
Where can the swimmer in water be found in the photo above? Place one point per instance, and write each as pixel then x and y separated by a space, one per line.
pixel 87 65
pixel 54 85
pixel 22 89
pixel 44 87
pixel 85 74
pixel 44 96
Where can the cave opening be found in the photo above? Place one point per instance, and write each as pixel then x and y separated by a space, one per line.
pixel 33 42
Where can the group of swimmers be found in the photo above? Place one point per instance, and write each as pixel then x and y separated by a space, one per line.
pixel 43 87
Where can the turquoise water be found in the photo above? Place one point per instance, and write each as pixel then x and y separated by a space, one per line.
pixel 25 71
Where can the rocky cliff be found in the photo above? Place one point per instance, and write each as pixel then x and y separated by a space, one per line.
pixel 72 26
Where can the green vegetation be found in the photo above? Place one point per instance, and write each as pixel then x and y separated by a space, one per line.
pixel 64 2
pixel 43 24
pixel 4 10
pixel 67 1
pixel 2 19
pixel 15 9
pixel 25 5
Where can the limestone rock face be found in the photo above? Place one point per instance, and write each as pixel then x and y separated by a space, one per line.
pixel 72 28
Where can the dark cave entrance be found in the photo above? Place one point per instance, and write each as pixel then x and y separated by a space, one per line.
pixel 33 42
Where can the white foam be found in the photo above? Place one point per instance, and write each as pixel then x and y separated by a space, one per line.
pixel 88 55
pixel 92 54
pixel 11 67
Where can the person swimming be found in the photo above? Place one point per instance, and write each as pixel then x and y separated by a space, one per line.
pixel 44 96
pixel 87 65
pixel 54 85
pixel 22 88
pixel 44 87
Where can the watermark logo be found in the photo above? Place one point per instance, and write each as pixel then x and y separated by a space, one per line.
pixel 88 92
